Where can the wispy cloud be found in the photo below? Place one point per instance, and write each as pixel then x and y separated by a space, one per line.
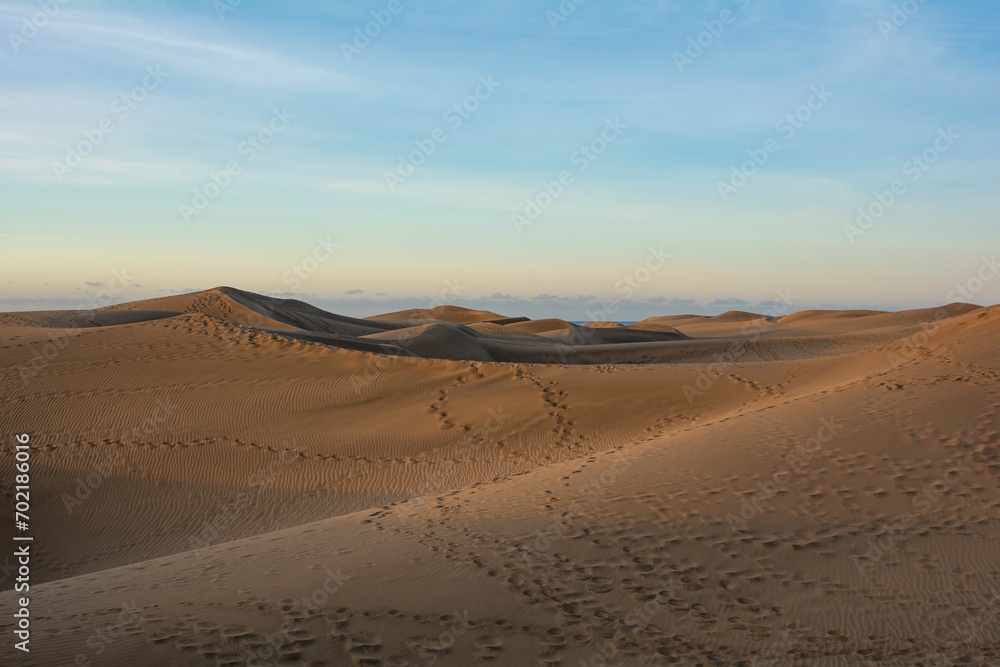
pixel 84 33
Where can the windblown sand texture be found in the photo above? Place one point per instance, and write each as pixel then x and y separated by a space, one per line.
pixel 223 478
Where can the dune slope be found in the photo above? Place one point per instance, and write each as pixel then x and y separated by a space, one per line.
pixel 211 491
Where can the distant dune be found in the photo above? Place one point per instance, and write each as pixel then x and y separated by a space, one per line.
pixel 247 308
pixel 226 478
pixel 454 314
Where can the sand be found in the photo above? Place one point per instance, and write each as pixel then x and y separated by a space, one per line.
pixel 222 478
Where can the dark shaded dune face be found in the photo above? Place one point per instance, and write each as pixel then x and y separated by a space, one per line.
pixel 515 343
pixel 613 336
pixel 303 315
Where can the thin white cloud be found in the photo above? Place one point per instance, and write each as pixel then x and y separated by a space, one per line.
pixel 87 32
pixel 99 171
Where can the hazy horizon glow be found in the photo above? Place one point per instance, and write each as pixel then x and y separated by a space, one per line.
pixel 529 158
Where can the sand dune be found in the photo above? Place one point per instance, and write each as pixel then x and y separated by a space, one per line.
pixel 224 478
pixel 804 323
pixel 541 326
pixel 453 314
pixel 255 310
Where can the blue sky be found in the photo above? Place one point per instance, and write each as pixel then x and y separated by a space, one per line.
pixel 164 96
